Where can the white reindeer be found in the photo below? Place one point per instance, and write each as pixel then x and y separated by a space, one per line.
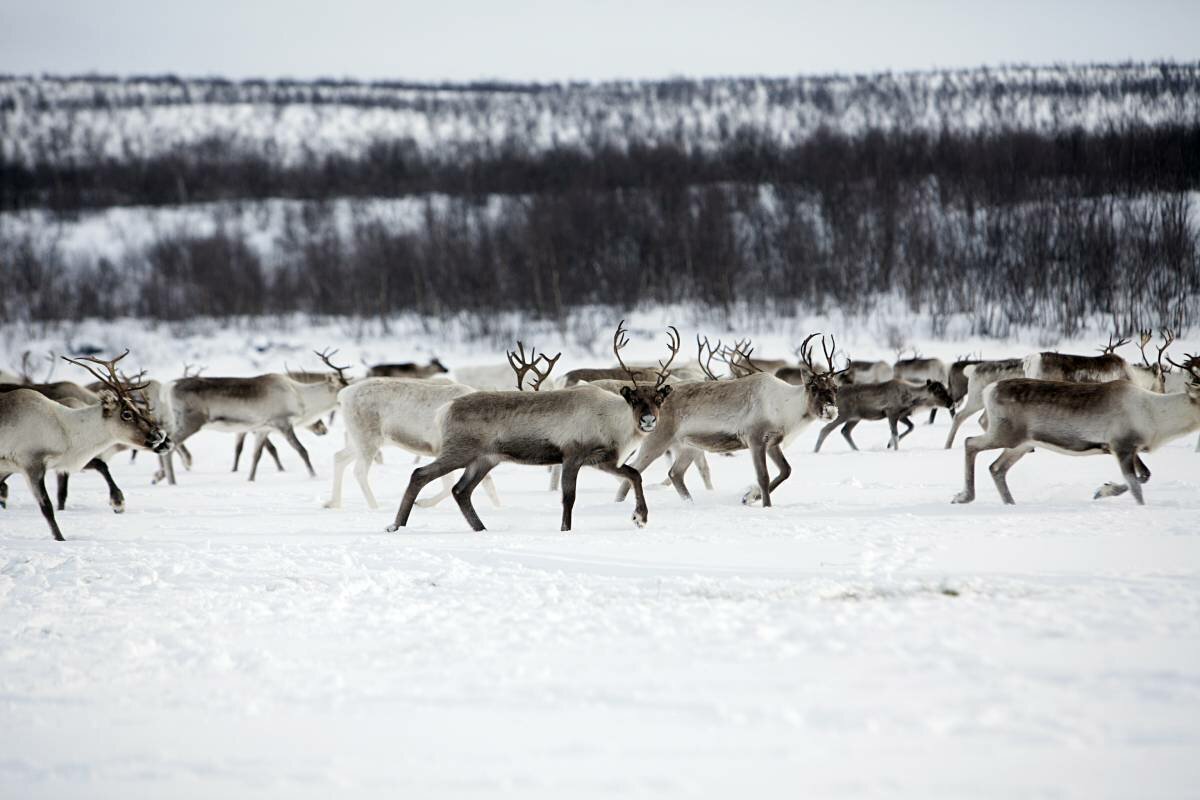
pixel 1117 417
pixel 400 412
pixel 38 434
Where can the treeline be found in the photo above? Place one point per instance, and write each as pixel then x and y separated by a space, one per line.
pixel 1053 262
pixel 970 169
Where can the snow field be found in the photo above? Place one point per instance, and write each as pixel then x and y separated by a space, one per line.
pixel 863 638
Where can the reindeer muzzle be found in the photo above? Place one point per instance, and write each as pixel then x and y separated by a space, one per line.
pixel 158 441
pixel 829 412
pixel 647 423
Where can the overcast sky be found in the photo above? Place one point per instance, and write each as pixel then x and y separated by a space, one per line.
pixel 559 39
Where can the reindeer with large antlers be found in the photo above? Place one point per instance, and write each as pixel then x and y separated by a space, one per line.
pixel 38 434
pixel 259 405
pixel 577 427
pixel 1108 366
pixel 758 412
pixel 1117 418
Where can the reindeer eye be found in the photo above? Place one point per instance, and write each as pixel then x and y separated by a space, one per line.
pixel 126 415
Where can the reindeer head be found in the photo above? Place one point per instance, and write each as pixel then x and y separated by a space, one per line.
pixel 939 393
pixel 127 419
pixel 646 401
pixel 318 428
pixel 1192 367
pixel 822 382
pixel 338 378
pixel 436 362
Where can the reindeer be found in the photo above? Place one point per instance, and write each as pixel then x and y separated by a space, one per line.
pixel 259 405
pixel 407 369
pixel 486 378
pixel 401 412
pixel 577 427
pixel 979 377
pixel 1153 376
pixel 1116 417
pixel 1108 366
pixel 73 395
pixel 38 434
pixel 893 400
pixel 957 379
pixel 759 412
pixel 318 427
pixel 919 370
pixel 866 372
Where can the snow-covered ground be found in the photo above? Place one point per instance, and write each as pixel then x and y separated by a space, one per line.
pixel 863 638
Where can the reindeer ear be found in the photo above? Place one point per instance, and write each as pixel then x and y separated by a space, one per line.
pixel 108 402
pixel 628 393
pixel 663 391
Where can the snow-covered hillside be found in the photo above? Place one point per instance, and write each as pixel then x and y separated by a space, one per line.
pixel 100 117
pixel 863 638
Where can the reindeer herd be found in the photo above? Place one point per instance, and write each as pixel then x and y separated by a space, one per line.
pixel 619 419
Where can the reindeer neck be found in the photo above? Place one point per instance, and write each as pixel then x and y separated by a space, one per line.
pixel 87 430
pixel 1173 415
pixel 317 398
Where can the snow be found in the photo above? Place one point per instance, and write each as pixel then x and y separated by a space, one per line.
pixel 862 638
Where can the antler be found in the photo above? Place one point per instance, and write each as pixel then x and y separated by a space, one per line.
pixel 327 354
pixel 1191 365
pixel 1112 345
pixel 706 361
pixel 187 370
pixel 112 379
pixel 522 366
pixel 804 351
pixel 620 339
pixel 1168 336
pixel 739 361
pixel 663 368
pixel 829 351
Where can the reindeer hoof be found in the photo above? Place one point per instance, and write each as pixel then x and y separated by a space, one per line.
pixel 1111 489
pixel 392 528
pixel 331 504
pixel 118 509
pixel 963 497
pixel 639 520
pixel 752 496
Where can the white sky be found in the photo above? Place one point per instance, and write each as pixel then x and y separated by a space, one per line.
pixel 558 39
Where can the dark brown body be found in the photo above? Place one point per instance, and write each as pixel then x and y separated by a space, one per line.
pixel 407 369
pixel 892 400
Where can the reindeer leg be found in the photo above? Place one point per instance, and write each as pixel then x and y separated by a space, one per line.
pixel 237 450
pixel 36 478
pixel 1114 489
pixel 443 464
pixel 758 454
pixel 1000 467
pixel 274 455
pixel 846 431
pixel 490 488
pixel 908 424
pixel 362 468
pixel 116 498
pixel 476 471
pixel 652 447
pixel 679 467
pixel 63 478
pixel 4 490
pixel 785 469
pixel 555 477
pixel 894 441
pixel 932 414
pixel 570 474
pixel 446 491
pixel 185 456
pixel 289 433
pixel 959 419
pixel 701 461
pixel 341 460
pixel 971 448
pixel 260 441
pixel 632 477
pixel 1128 461
pixel 133 456
pixel 827 429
